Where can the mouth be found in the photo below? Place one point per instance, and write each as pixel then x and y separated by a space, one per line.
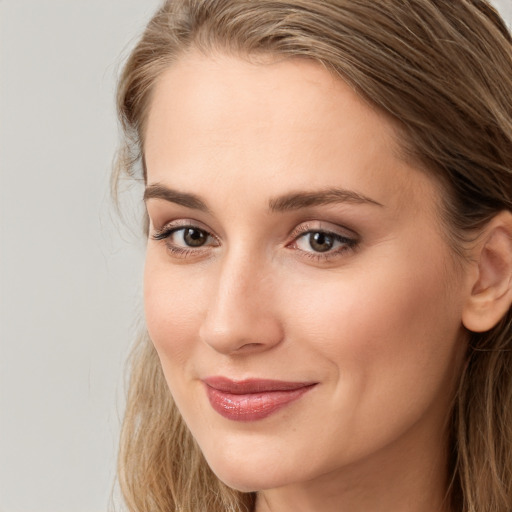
pixel 252 399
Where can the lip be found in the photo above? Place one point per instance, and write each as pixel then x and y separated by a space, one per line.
pixel 252 399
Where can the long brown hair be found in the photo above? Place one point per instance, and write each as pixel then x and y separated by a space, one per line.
pixel 441 69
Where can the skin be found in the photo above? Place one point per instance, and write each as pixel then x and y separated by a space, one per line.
pixel 376 322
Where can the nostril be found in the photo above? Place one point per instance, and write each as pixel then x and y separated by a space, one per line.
pixel 242 337
pixel 249 346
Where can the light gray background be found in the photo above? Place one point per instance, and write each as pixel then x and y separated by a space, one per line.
pixel 69 273
pixel 69 281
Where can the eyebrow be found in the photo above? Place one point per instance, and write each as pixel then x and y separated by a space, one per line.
pixel 158 191
pixel 287 202
pixel 296 201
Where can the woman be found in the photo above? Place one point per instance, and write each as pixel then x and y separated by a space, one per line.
pixel 329 261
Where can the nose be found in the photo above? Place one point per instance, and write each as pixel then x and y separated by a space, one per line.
pixel 242 314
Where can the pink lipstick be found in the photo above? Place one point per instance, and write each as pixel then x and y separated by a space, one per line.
pixel 253 399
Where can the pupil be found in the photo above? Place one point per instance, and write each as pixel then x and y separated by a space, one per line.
pixel 194 237
pixel 321 242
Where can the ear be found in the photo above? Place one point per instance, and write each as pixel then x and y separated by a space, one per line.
pixel 491 290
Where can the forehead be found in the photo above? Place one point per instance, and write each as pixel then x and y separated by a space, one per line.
pixel 296 92
pixel 288 122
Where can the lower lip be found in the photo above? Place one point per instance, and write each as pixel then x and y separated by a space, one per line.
pixel 252 406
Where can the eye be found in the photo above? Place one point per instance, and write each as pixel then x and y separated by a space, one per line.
pixel 321 243
pixel 190 237
pixel 185 240
pixel 318 241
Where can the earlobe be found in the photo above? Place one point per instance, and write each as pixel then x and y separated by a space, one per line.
pixel 491 291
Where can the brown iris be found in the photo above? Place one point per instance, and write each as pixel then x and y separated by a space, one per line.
pixel 321 242
pixel 194 237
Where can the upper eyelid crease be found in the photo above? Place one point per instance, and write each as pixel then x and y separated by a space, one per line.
pixel 308 227
pixel 287 202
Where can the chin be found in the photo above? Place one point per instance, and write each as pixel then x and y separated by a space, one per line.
pixel 249 480
pixel 251 474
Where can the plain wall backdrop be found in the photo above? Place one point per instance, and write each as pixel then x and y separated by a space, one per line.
pixel 70 272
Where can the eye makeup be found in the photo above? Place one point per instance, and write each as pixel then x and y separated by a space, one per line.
pixel 310 240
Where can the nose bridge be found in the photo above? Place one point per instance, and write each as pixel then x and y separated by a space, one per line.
pixel 241 312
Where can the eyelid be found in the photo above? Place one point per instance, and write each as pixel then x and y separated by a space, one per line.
pixel 181 223
pixel 313 226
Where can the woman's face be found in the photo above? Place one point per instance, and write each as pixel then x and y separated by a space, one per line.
pixel 299 287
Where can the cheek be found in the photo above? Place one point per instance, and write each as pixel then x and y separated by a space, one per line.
pixel 173 305
pixel 389 332
pixel 362 307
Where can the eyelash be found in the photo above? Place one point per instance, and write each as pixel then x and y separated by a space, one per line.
pixel 348 244
pixel 167 231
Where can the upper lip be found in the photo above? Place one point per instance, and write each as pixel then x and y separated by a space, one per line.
pixel 247 386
